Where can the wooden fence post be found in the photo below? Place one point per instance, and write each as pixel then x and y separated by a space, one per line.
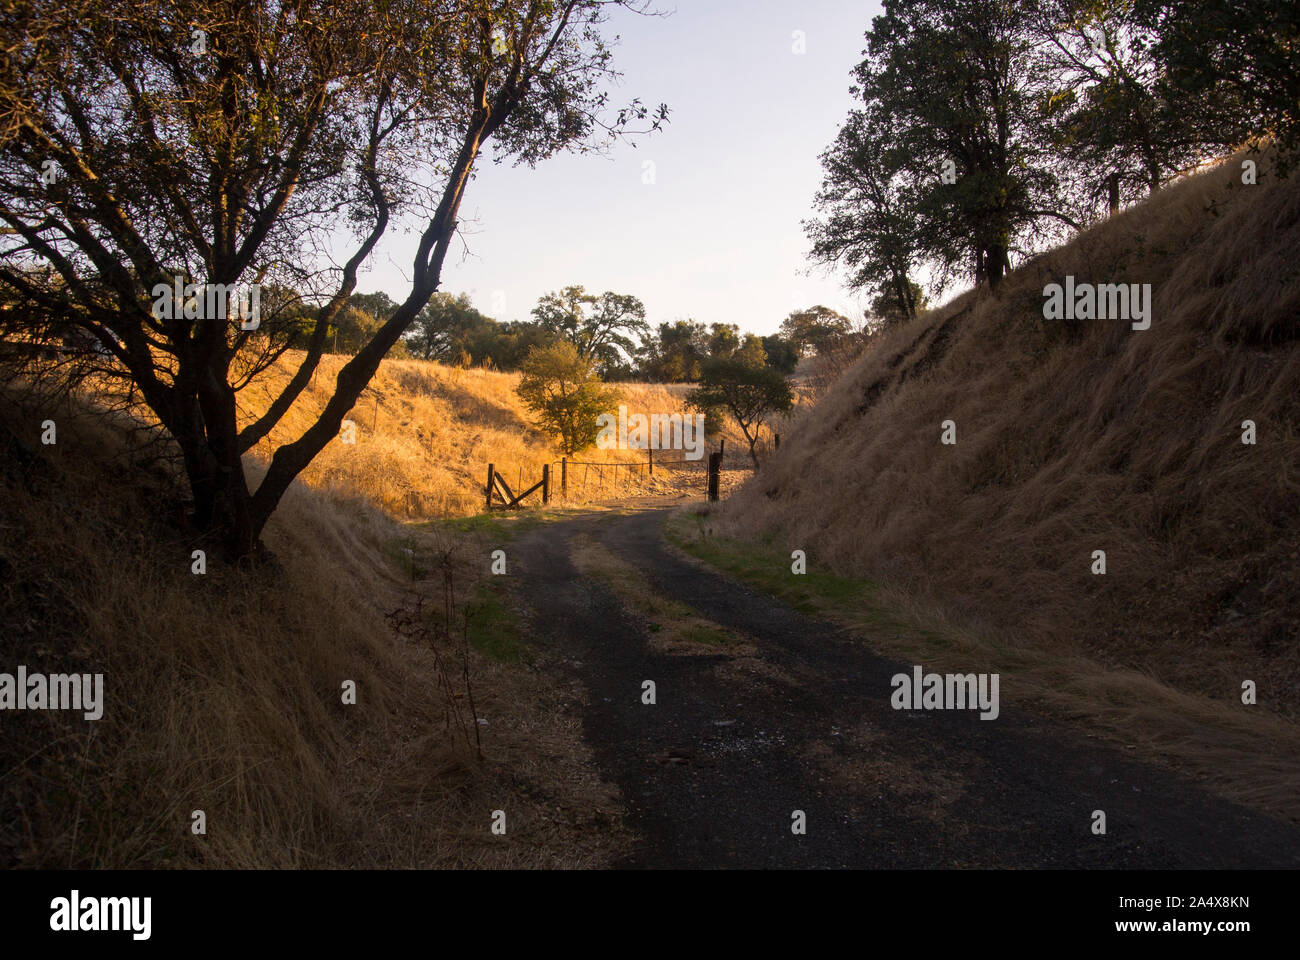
pixel 778 440
pixel 564 478
pixel 546 483
pixel 651 451
pixel 491 470
pixel 722 446
pixel 715 461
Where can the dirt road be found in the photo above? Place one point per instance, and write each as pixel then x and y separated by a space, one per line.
pixel 800 720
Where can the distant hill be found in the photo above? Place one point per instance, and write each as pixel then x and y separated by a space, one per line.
pixel 427 431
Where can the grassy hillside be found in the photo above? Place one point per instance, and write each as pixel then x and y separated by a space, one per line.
pixel 426 433
pixel 223 691
pixel 1080 436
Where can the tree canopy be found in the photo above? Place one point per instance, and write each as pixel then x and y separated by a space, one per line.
pixel 560 386
pixel 986 130
pixel 601 327
pixel 147 146
pixel 746 388
pixel 815 329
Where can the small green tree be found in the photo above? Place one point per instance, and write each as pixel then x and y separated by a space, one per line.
pixel 352 328
pixel 562 390
pixel 357 323
pixel 749 391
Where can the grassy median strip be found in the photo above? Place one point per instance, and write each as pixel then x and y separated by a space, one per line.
pixel 673 626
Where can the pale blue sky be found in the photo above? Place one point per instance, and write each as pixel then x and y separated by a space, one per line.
pixel 717 235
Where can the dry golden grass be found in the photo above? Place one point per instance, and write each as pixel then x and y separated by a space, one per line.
pixel 223 691
pixel 1092 438
pixel 426 433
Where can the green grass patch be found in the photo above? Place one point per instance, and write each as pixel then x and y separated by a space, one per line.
pixel 492 623
pixel 767 566
pixel 507 523
pixel 707 634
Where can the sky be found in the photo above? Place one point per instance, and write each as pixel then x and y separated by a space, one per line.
pixel 701 220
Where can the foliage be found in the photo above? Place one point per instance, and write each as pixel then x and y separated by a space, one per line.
pixel 600 327
pixel 815 329
pixel 560 386
pixel 220 142
pixel 750 391
pixel 1113 119
pixel 989 129
pixel 445 328
pixel 867 204
pixel 675 353
pixel 888 307
pixel 1236 61
pixel 781 354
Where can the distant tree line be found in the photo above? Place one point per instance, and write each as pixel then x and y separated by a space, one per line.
pixel 608 332
pixel 562 388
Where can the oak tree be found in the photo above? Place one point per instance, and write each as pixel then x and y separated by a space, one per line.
pixel 150 145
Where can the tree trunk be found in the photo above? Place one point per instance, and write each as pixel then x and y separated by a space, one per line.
pixel 222 504
pixel 753 454
pixel 995 260
pixel 292 458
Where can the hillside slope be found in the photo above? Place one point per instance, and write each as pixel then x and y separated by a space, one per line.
pixel 224 692
pixel 1080 436
pixel 427 431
